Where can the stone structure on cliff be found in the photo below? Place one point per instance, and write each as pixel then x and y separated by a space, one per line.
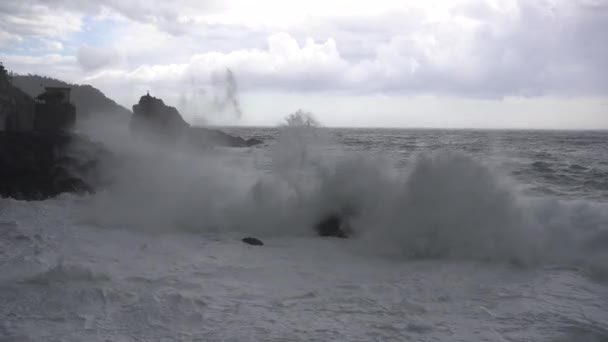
pixel 51 111
pixel 54 111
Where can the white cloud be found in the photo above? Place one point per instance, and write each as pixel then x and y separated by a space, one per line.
pixel 53 45
pixel 476 51
pixel 7 37
pixel 53 65
pixel 283 63
pixel 464 48
pixel 22 20
pixel 45 60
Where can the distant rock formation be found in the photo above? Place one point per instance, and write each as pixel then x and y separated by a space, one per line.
pixel 152 118
pixel 36 151
pixel 201 136
pixel 40 165
pixel 89 101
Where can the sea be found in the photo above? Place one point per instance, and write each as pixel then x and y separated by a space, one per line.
pixel 458 235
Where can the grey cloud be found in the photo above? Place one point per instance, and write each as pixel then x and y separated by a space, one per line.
pixel 549 50
pixel 90 58
pixel 167 15
pixel 41 19
pixel 544 47
pixel 24 20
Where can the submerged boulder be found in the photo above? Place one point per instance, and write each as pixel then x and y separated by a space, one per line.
pixel 334 226
pixel 253 241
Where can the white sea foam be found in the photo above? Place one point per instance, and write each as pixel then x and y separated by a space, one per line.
pixel 443 204
pixel 164 260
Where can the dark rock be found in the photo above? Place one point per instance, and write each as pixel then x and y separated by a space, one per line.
pixel 40 165
pixel 17 109
pixel 205 137
pixel 89 101
pixel 153 119
pixel 253 142
pixel 253 241
pixel 54 110
pixel 333 226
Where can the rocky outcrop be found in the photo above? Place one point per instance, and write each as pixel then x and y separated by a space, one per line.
pixel 201 137
pixel 54 111
pixel 17 109
pixel 154 119
pixel 89 101
pixel 253 241
pixel 37 165
pixel 333 226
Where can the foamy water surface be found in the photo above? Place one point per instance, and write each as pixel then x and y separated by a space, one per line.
pixel 459 236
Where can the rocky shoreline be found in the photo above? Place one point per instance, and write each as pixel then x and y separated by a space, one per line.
pixel 41 165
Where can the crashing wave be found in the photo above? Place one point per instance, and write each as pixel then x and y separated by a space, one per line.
pixel 443 205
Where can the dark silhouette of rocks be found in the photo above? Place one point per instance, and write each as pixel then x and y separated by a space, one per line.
pixel 253 142
pixel 17 109
pixel 153 119
pixel 89 101
pixel 40 165
pixel 34 140
pixel 37 149
pixel 51 111
pixel 201 137
pixel 54 111
pixel 253 241
pixel 333 226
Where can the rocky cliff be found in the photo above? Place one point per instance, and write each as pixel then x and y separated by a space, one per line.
pixel 17 109
pixel 39 165
pixel 89 101
pixel 153 119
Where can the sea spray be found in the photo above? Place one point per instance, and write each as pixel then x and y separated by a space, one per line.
pixel 443 204
pixel 451 206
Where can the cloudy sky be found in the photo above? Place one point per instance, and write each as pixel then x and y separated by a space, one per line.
pixel 388 63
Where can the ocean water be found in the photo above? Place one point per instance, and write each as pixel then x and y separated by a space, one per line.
pixel 459 236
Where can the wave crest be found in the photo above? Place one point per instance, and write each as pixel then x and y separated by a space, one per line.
pixel 452 206
pixel 443 205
